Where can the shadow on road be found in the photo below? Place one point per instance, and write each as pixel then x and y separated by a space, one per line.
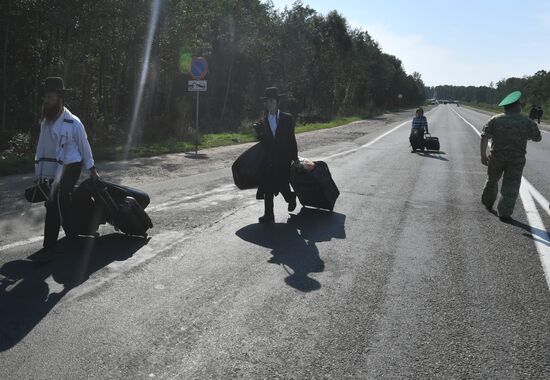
pixel 29 290
pixel 532 232
pixel 434 155
pixel 293 244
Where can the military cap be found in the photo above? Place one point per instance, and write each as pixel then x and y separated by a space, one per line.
pixel 510 98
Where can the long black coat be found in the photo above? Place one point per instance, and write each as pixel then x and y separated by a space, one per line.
pixel 281 150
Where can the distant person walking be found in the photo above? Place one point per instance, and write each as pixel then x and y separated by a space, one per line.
pixel 536 113
pixel 62 150
pixel 276 132
pixel 509 132
pixel 418 128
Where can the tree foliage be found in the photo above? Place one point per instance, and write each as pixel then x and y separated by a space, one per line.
pixel 535 90
pixel 325 67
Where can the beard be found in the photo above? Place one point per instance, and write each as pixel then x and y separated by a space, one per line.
pixel 50 113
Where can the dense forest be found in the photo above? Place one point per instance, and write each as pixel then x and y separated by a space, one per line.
pixel 99 47
pixel 535 89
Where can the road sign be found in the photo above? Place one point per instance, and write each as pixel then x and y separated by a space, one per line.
pixel 196 85
pixel 199 68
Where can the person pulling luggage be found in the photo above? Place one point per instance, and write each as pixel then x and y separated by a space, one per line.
pixel 418 128
pixel 62 150
pixel 276 132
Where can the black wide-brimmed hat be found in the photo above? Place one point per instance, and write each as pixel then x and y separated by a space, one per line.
pixel 54 84
pixel 272 93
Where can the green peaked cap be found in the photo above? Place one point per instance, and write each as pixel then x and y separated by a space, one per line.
pixel 510 98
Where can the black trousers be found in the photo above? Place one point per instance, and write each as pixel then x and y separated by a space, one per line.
pixel 57 207
pixel 268 199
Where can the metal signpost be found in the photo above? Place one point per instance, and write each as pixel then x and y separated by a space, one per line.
pixel 199 68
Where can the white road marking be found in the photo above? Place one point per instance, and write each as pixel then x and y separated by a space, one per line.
pixel 539 232
pixel 538 229
pixel 20 243
pixel 548 133
pixel 362 146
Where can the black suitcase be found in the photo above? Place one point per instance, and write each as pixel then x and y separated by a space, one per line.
pixel 315 188
pixel 83 216
pixel 431 143
pixel 122 209
pixel 247 168
pixel 416 140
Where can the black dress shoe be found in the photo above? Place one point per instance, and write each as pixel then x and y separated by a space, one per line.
pixel 266 218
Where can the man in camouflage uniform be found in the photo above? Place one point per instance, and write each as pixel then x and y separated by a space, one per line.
pixel 509 132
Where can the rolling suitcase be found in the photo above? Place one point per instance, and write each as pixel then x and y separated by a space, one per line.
pixel 315 188
pixel 247 168
pixel 84 215
pixel 431 143
pixel 122 209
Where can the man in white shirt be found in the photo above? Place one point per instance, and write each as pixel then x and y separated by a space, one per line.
pixel 62 150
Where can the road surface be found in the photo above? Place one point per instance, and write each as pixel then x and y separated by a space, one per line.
pixel 409 277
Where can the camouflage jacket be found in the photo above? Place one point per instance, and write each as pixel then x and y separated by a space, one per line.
pixel 509 134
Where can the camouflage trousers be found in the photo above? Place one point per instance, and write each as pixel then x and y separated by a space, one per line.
pixel 511 172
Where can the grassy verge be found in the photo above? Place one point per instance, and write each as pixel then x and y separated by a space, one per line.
pixel 485 107
pixel 17 165
pixel 495 109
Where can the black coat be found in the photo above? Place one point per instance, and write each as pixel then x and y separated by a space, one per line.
pixel 281 151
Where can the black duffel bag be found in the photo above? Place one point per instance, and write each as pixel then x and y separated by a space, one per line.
pixel 38 193
pixel 247 169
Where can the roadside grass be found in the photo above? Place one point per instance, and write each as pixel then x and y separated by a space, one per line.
pixel 484 107
pixel 496 109
pixel 25 164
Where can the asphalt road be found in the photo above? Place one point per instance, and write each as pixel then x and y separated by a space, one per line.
pixel 409 277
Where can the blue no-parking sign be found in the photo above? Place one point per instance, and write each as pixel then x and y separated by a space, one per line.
pixel 199 68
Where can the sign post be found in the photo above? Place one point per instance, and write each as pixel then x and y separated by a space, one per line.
pixel 199 68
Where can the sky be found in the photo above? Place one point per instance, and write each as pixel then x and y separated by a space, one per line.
pixel 459 43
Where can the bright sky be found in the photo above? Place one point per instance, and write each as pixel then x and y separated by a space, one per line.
pixel 463 42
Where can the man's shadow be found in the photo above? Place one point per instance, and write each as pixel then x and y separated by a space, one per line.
pixel 541 236
pixel 293 244
pixel 29 290
pixel 532 232
pixel 433 154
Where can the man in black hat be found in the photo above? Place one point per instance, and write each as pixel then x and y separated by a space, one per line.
pixel 62 150
pixel 276 132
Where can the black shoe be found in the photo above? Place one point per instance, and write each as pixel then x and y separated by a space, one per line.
pixel 268 218
pixel 505 219
pixel 292 203
pixel 259 194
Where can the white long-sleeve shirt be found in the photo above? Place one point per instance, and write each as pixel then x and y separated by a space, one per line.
pixel 273 122
pixel 61 143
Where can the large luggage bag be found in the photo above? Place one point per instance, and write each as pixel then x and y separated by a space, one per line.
pixel 123 207
pixel 415 139
pixel 431 143
pixel 315 188
pixel 84 214
pixel 247 168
